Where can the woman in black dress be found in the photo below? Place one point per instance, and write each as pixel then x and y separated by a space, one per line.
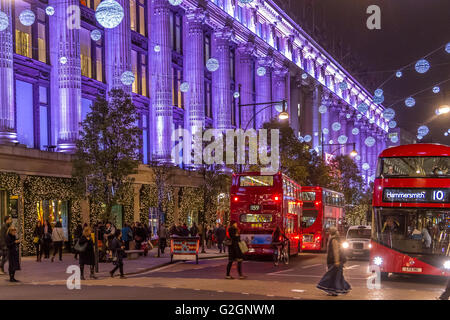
pixel 38 235
pixel 13 253
pixel 234 252
pixel 87 255
pixel 333 282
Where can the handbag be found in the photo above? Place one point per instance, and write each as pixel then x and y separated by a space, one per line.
pixel 80 248
pixel 243 246
pixel 227 242
pixel 36 240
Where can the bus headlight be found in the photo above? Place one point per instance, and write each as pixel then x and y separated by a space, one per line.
pixel 370 246
pixel 345 245
pixel 447 264
pixel 378 261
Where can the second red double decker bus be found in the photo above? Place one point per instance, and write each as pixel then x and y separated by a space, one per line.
pixel 322 209
pixel 260 203
pixel 411 210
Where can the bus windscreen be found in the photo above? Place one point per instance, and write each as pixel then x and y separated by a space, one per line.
pixel 256 218
pixel 256 181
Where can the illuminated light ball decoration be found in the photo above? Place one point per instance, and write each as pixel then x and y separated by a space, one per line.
pixel 446 134
pixel 175 2
pixel 358 158
pixel 389 114
pixel 212 64
pixel 301 139
pixel 325 131
pixel 363 107
pixel 336 126
pixel 343 85
pixel 378 100
pixel 423 131
pixel 279 107
pixel 422 66
pixel 378 92
pixel 372 120
pixel 342 139
pixel 127 78
pixel 261 71
pixel 410 102
pixel 63 60
pixel 323 109
pixel 392 124
pixel 348 115
pixel 304 76
pixel 359 116
pixel 27 17
pixel 370 141
pixel 308 138
pixel 4 22
pixel 96 35
pixel 366 166
pixel 157 48
pixel 184 87
pixel 448 130
pixel 49 10
pixel 109 14
pixel 245 1
pixel 236 95
pixel 399 74
pixel 316 134
pixel 355 131
pixel 436 89
pixel 394 139
pixel 447 47
pixel 419 137
pixel 331 142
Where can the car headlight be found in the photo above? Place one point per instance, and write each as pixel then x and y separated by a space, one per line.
pixel 370 246
pixel 345 245
pixel 447 264
pixel 378 261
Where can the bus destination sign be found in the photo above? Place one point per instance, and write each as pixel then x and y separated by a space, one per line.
pixel 417 195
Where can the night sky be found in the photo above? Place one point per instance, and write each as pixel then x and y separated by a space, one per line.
pixel 410 29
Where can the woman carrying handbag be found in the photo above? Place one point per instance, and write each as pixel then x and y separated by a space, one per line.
pixel 234 244
pixel 117 248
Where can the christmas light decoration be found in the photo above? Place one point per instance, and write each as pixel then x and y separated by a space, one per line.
pixel 96 35
pixel 127 78
pixel 422 66
pixel 410 102
pixel 323 109
pixel 27 17
pixel 49 10
pixel 63 60
pixel 261 71
pixel 363 107
pixel 342 139
pixel 336 126
pixel 389 114
pixel 378 92
pixel 308 138
pixel 4 22
pixel 436 89
pixel 355 131
pixel 212 65
pixel 423 131
pixel 399 74
pixel 184 87
pixel 370 141
pixel 109 14
pixel 392 124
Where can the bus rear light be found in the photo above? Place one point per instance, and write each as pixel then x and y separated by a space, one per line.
pixel 276 198
pixel 316 203
pixel 236 199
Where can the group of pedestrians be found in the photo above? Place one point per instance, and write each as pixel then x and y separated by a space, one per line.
pixel 44 237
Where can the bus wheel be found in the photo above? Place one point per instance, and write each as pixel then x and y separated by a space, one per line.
pixel 384 276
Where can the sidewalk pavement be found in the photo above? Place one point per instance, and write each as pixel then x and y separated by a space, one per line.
pixel 32 271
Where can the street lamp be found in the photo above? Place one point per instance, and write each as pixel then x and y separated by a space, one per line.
pixel 443 110
pixel 352 154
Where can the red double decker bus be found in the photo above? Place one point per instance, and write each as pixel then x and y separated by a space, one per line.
pixel 322 209
pixel 411 210
pixel 260 203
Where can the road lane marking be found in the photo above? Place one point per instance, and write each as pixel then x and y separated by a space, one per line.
pixel 297 290
pixel 245 293
pixel 309 276
pixel 311 266
pixel 279 272
pixel 352 267
pixel 270 295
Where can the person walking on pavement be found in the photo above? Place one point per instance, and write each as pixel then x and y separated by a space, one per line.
pixel 87 255
pixel 446 294
pixel 333 282
pixel 117 248
pixel 162 236
pixel 77 235
pixel 38 235
pixel 220 236
pixel 58 240
pixel 3 247
pixel 194 230
pixel 47 239
pixel 234 251
pixel 12 244
pixel 127 236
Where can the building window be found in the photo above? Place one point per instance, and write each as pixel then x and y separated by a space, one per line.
pixel 43 119
pixel 144 126
pixel 208 99
pixel 177 95
pixel 207 47
pixel 90 3
pixel 277 43
pixel 176 32
pixel 232 65
pixel 41 36
pixel 23 33
pixel 139 69
pixel 86 54
pixel 25 113
pixel 137 16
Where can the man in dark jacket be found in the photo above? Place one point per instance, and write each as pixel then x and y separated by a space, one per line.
pixel 220 235
pixel 3 248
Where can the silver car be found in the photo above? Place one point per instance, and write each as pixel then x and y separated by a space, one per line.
pixel 357 242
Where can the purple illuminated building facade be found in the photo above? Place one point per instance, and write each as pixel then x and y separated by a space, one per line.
pixel 50 73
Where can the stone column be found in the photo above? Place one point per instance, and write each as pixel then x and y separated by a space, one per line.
pixel 85 212
pixel 343 131
pixel 161 88
pixel 263 90
pixel 8 132
pixel 357 140
pixel 176 209
pixel 118 51
pixel 334 117
pixel 364 153
pixel 194 71
pixel 222 108
pixel 136 202
pixel 279 87
pixel 69 78
pixel 325 119
pixel 316 100
pixel 245 59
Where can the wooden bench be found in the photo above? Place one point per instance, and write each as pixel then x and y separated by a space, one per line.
pixel 133 254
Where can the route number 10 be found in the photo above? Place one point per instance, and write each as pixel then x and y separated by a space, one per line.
pixel 438 195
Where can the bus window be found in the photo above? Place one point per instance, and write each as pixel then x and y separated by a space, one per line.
pixel 309 217
pixel 308 196
pixel 256 218
pixel 256 181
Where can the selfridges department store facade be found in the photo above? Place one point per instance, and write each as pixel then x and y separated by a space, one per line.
pixel 188 61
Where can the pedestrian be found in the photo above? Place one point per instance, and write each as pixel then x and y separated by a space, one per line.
pixel 77 235
pixel 446 294
pixel 139 236
pixel 234 251
pixel 58 240
pixel 38 234
pixel 209 234
pixel 47 239
pixel 87 254
pixel 194 230
pixel 220 236
pixel 162 237
pixel 12 243
pixel 117 248
pixel 333 282
pixel 185 230
pixel 3 247
pixel 127 236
